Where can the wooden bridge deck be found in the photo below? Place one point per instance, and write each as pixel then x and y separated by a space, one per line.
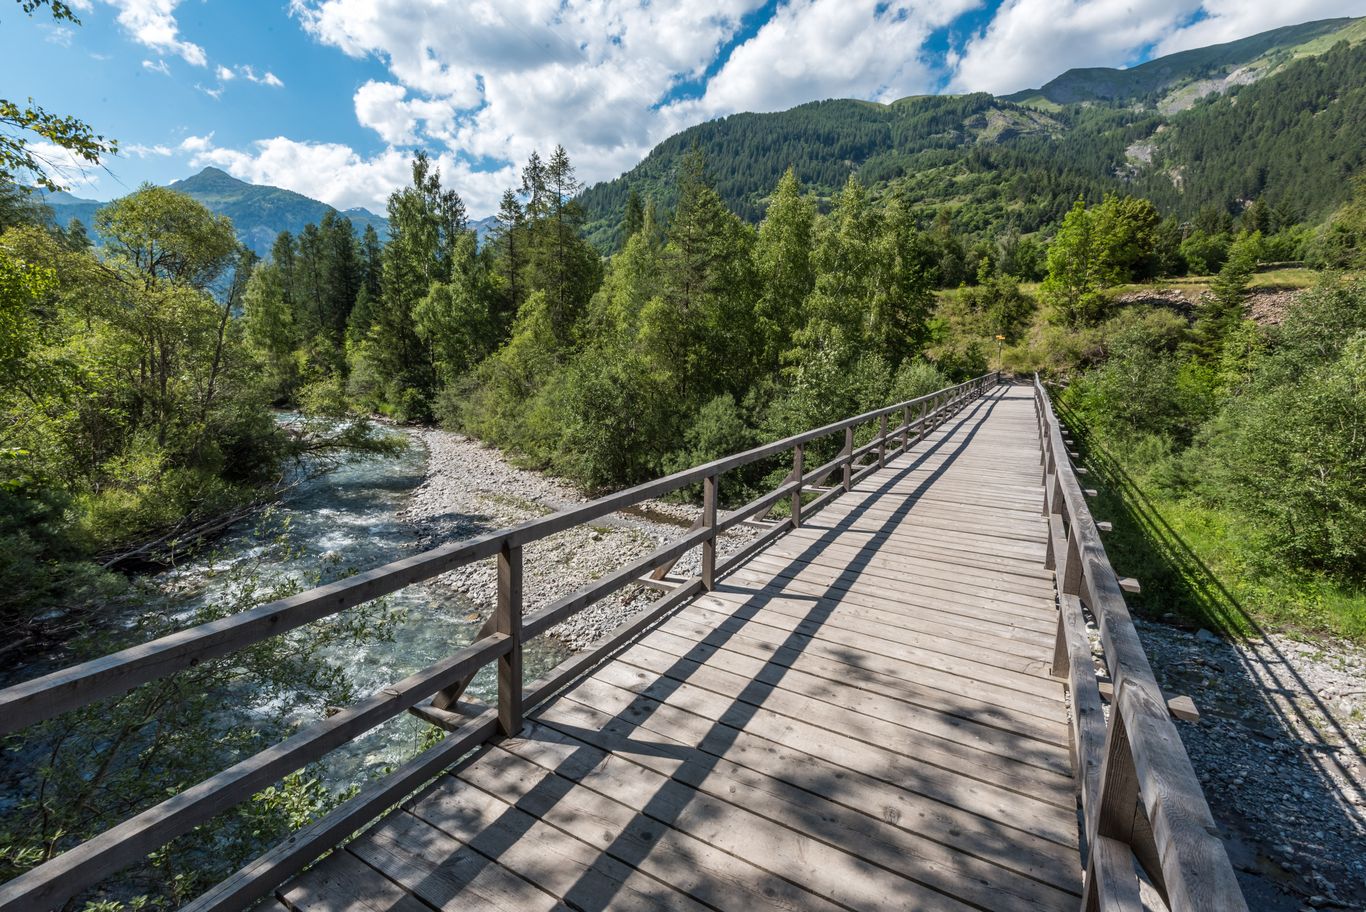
pixel 861 716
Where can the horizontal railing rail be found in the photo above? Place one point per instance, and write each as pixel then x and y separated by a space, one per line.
pixel 1139 795
pixel 57 880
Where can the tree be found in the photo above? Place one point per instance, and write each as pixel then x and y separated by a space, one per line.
pixel 1077 270
pixel 509 239
pixel 1221 310
pixel 165 236
pixel 782 257
pixel 455 318
pixel 634 219
pixel 559 261
pixel 18 156
pixel 270 330
pixel 701 324
pixel 426 222
pixel 902 296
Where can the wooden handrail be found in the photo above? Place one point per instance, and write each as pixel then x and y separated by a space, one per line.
pixel 55 881
pixel 1139 795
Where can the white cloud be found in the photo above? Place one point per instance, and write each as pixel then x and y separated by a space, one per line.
pixel 493 81
pixel 196 144
pixel 142 151
pixel 157 67
pixel 225 74
pixel 59 34
pixel 336 174
pixel 64 167
pixel 1227 20
pixel 266 78
pixel 486 82
pixel 816 49
pixel 152 23
pixel 1028 42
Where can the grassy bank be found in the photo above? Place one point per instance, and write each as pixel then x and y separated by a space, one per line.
pixel 1201 565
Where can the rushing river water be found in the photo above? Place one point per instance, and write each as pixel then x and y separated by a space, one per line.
pixel 347 520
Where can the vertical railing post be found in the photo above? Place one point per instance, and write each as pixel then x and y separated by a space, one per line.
pixel 905 429
pixel 797 471
pixel 709 523
pixel 882 441
pixel 508 620
pixel 848 454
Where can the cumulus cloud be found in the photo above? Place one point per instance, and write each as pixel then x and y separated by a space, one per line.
pixel 482 83
pixel 335 173
pixel 816 49
pixel 65 167
pixel 152 23
pixel 1228 20
pixel 142 151
pixel 493 81
pixel 158 66
pixel 1028 42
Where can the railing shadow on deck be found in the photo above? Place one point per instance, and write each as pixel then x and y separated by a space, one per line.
pixel 82 866
pixel 634 731
pixel 1192 583
pixel 578 750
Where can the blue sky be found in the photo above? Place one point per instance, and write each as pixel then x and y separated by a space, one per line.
pixel 330 97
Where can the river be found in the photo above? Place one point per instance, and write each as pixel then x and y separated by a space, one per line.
pixel 344 521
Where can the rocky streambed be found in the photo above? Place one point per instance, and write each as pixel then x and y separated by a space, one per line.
pixel 471 488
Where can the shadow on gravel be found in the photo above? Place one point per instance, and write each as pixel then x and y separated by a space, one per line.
pixel 1278 764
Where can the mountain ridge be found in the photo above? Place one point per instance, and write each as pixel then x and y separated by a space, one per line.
pixel 1174 71
pixel 259 212
pixel 1020 161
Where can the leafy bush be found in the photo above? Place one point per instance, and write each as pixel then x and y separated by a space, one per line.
pixel 1288 451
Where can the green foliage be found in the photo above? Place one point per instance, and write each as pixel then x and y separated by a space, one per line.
pixel 1078 270
pixel 1238 453
pixel 131 400
pixel 1287 450
pixel 18 156
pixel 1205 253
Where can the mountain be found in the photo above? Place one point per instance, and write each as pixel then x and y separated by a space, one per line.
pixel 1173 83
pixel 258 213
pixel 1275 115
pixel 483 227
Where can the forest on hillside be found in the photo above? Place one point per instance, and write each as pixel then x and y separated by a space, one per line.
pixel 1290 139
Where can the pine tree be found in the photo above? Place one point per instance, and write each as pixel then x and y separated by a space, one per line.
pixel 635 217
pixel 509 239
pixel 782 257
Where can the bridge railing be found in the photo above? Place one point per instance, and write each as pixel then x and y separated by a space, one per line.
pixel 64 876
pixel 1139 794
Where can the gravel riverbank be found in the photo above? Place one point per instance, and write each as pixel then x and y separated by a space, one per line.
pixel 471 488
pixel 1280 749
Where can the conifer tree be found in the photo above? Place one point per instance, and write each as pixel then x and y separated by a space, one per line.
pixel 782 258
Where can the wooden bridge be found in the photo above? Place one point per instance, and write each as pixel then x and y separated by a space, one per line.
pixel 888 700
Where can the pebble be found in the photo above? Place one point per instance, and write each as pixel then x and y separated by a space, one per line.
pixel 471 488
pixel 1267 730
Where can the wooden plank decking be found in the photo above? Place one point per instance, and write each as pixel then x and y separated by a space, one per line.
pixel 860 716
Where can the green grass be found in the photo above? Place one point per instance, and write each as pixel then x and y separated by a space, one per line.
pixel 1281 279
pixel 1193 286
pixel 1204 566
